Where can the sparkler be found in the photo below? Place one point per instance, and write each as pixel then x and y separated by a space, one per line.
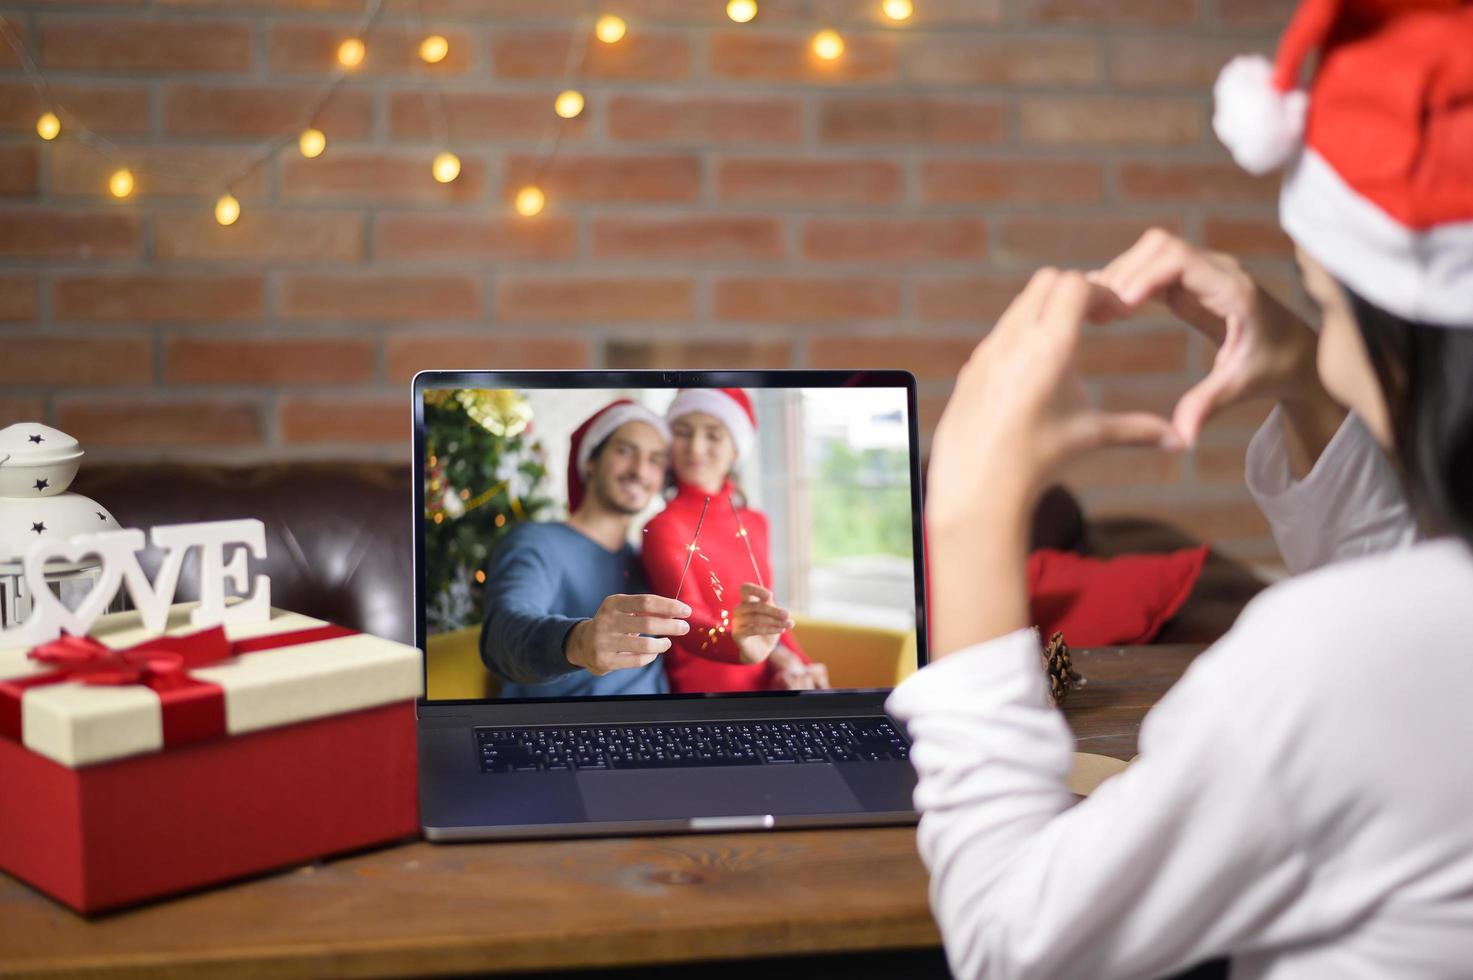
pixel 690 551
pixel 742 533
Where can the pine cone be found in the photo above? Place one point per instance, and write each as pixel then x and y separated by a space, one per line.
pixel 1062 677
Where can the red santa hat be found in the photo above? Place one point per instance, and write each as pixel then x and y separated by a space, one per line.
pixel 597 428
pixel 1380 146
pixel 730 406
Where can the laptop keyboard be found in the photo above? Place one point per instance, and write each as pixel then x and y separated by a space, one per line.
pixel 671 746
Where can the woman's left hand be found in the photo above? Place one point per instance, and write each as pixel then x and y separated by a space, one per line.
pixel 1017 414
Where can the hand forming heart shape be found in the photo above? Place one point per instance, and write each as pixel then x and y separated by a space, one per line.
pixel 1018 411
pixel 1263 348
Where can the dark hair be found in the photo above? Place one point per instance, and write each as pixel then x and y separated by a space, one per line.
pixel 598 450
pixel 1426 376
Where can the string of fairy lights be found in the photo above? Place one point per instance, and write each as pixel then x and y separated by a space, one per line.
pixel 352 54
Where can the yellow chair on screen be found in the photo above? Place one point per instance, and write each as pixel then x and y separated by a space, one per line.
pixel 856 656
pixel 453 667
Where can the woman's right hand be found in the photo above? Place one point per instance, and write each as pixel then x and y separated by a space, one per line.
pixel 757 624
pixel 1264 349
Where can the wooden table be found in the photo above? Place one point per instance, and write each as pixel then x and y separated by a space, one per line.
pixel 419 908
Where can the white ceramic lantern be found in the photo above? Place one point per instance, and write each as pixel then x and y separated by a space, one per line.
pixel 37 464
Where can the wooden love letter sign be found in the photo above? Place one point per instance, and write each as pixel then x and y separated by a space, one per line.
pixel 118 551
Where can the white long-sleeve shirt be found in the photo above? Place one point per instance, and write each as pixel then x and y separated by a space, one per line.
pixel 1303 798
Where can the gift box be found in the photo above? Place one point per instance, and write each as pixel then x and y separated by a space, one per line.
pixel 134 765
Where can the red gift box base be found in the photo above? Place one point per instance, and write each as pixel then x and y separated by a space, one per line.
pixel 122 832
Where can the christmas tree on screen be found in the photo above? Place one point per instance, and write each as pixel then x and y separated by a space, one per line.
pixel 484 474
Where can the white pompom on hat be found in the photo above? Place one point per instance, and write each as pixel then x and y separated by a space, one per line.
pixel 730 406
pixel 1380 186
pixel 595 430
pixel 1261 126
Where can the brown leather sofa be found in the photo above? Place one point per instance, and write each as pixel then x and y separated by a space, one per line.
pixel 339 537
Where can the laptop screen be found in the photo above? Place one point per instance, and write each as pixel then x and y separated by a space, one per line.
pixel 566 529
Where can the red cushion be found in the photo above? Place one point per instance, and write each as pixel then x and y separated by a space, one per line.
pixel 1098 602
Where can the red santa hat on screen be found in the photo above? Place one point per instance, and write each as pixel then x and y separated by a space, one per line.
pixel 1379 146
pixel 730 406
pixel 592 433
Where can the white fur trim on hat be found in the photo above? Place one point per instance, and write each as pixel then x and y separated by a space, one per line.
pixel 609 421
pixel 1423 276
pixel 1261 126
pixel 723 408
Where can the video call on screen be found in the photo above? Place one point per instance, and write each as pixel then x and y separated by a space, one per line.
pixel 801 497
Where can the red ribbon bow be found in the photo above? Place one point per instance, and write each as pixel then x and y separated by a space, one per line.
pixel 193 710
pixel 162 663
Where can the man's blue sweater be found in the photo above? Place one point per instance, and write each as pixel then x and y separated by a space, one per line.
pixel 544 578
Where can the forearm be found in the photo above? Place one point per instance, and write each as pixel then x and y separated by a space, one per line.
pixel 1310 418
pixel 1351 503
pixel 526 648
pixel 979 559
pixel 1309 415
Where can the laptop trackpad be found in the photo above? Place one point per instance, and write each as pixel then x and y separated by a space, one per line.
pixel 653 794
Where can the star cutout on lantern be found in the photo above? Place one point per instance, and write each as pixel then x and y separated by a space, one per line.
pixel 39 526
pixel 101 516
pixel 42 483
pixel 37 440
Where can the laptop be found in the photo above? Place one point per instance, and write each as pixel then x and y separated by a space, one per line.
pixel 516 742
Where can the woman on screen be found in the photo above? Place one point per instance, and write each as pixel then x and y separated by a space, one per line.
pixel 740 638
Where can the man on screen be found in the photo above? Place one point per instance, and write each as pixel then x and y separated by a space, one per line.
pixel 568 612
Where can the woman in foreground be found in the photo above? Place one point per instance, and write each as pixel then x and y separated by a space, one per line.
pixel 1302 803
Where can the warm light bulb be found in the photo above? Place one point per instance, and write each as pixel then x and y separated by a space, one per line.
pixel 898 9
pixel 48 126
pixel 530 201
pixel 121 183
pixel 351 53
pixel 446 167
pixel 312 143
pixel 568 104
pixel 609 28
pixel 433 49
pixel 828 45
pixel 741 11
pixel 227 209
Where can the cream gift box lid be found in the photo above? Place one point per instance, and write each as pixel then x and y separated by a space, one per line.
pixel 79 724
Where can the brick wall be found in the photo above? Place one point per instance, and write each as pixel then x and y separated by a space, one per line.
pixel 725 199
